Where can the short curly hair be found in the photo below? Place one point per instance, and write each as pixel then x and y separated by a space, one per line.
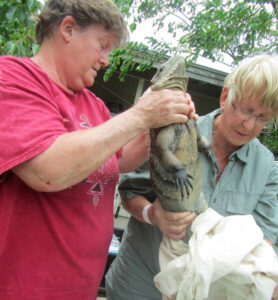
pixel 85 13
pixel 258 76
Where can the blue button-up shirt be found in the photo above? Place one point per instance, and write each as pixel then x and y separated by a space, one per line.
pixel 248 184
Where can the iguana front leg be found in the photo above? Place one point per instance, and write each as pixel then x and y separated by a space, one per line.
pixel 169 161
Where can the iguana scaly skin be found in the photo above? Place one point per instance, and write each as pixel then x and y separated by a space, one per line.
pixel 175 168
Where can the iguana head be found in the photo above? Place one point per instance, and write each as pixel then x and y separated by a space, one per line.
pixel 171 75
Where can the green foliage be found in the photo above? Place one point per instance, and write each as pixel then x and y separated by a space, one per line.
pixel 211 28
pixel 135 57
pixel 17 27
pixel 236 28
pixel 269 137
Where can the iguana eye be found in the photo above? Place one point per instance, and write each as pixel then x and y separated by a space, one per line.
pixel 159 71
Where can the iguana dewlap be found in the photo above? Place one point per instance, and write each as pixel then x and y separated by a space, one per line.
pixel 175 168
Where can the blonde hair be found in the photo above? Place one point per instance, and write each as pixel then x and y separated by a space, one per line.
pixel 85 13
pixel 258 77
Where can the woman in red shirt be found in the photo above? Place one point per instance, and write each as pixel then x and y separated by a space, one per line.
pixel 61 153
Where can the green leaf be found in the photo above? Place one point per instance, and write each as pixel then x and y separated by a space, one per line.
pixel 132 27
pixel 17 26
pixel 10 15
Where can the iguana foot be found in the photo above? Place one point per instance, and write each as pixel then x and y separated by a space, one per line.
pixel 182 179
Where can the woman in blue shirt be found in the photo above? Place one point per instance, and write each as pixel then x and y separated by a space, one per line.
pixel 239 177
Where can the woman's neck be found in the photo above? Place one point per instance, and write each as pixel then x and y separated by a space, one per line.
pixel 220 144
pixel 48 61
pixel 221 147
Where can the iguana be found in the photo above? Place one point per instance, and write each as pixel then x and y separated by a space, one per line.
pixel 174 161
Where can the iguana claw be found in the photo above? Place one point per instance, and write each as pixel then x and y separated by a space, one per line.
pixel 182 179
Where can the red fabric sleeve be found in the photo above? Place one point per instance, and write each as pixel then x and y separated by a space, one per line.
pixel 30 115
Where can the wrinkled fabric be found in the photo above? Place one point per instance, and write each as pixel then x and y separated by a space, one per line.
pixel 221 261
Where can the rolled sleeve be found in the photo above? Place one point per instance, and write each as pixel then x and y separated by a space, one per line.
pixel 266 211
pixel 136 183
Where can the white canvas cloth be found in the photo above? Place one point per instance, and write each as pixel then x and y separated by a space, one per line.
pixel 226 258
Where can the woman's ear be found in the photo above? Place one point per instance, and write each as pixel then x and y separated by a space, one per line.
pixel 67 27
pixel 223 97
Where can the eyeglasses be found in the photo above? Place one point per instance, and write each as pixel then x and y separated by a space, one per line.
pixel 246 115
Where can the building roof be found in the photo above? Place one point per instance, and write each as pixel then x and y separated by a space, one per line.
pixel 206 74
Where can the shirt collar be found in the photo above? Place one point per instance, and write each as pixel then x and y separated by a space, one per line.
pixel 241 153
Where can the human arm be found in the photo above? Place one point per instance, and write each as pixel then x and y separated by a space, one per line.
pixel 136 192
pixel 136 152
pixel 172 224
pixel 269 242
pixel 75 155
pixel 275 293
pixel 266 210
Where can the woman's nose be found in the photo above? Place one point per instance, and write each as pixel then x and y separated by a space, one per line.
pixel 250 123
pixel 104 60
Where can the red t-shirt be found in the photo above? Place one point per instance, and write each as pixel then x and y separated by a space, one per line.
pixel 52 245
